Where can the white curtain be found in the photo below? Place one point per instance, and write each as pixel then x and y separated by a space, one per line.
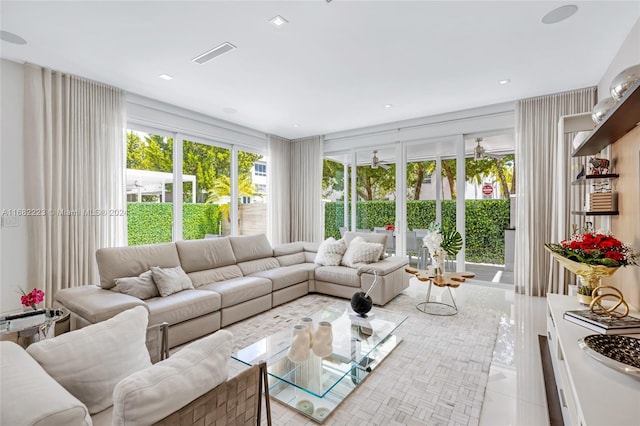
pixel 542 180
pixel 307 210
pixel 278 199
pixel 74 176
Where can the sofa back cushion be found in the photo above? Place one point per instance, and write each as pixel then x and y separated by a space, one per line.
pixel 90 361
pixel 209 276
pixel 152 394
pixel 200 255
pixel 258 265
pixel 32 397
pixel 369 237
pixel 291 259
pixel 251 247
pixel 120 262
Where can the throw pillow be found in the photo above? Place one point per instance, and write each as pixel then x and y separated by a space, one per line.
pixel 152 394
pixel 141 286
pixel 90 362
pixel 171 280
pixel 360 252
pixel 330 252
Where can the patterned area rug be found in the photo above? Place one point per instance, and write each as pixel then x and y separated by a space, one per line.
pixel 436 376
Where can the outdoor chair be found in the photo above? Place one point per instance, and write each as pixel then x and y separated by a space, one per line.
pixel 391 240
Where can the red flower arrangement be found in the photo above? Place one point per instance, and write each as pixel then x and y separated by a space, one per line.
pixel 32 298
pixel 596 249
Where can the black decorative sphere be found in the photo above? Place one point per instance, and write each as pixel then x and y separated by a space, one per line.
pixel 361 304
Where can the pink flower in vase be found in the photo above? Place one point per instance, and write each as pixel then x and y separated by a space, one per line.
pixel 32 298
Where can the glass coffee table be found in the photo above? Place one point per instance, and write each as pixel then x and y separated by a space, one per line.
pixel 317 386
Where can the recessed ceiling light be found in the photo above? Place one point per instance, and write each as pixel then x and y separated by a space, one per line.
pixel 165 77
pixel 216 51
pixel 278 21
pixel 559 14
pixel 505 81
pixel 11 38
pixel 388 106
pixel 296 125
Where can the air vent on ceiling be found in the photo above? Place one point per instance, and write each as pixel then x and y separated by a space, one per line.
pixel 216 51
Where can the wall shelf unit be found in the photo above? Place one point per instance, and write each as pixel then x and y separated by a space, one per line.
pixel 623 117
pixel 587 213
pixel 589 179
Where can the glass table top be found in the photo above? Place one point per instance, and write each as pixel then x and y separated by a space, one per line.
pixel 355 345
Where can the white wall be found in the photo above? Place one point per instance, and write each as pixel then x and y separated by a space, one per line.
pixel 628 55
pixel 13 240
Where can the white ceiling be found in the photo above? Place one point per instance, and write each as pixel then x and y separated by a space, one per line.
pixel 334 66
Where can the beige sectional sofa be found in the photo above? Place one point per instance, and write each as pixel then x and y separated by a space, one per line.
pixel 233 278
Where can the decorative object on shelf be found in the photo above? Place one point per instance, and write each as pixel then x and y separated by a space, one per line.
pixel 32 299
pixel 440 244
pixel 624 81
pixel 323 340
pixel 601 109
pixel 599 166
pixel 361 302
pixel 299 350
pixel 596 307
pixel 618 352
pixel 603 325
pixel 581 174
pixel 592 256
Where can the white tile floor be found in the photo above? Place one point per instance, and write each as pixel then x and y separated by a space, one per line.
pixel 515 392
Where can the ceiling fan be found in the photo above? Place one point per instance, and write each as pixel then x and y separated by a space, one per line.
pixel 480 153
pixel 375 162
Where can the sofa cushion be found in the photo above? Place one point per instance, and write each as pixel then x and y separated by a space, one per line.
pixel 182 306
pixel 291 259
pixel 369 237
pixel 251 247
pixel 284 276
pixel 152 394
pixel 214 275
pixel 338 275
pixel 142 286
pixel 95 304
pixel 90 361
pixel 360 252
pixel 171 280
pixel 240 290
pixel 31 396
pixel 199 255
pixel 287 248
pixel 330 252
pixel 118 262
pixel 258 265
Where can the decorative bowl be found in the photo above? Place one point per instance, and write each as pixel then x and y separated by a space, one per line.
pixel 623 81
pixel 601 109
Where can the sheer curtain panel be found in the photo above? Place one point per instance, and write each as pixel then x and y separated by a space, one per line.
pixel 74 174
pixel 542 181
pixel 307 210
pixel 278 199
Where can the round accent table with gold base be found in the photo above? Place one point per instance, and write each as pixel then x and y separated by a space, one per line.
pixel 449 280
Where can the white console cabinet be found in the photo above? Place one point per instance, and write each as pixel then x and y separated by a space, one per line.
pixel 590 392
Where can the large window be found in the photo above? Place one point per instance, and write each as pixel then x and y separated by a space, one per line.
pixel 201 205
pixel 206 201
pixel 149 186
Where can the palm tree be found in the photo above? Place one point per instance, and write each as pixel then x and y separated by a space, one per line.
pixel 222 189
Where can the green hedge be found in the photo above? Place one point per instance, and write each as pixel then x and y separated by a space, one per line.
pixel 150 223
pixel 485 222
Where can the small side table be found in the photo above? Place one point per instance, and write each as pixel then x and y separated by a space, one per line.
pixel 449 280
pixel 29 327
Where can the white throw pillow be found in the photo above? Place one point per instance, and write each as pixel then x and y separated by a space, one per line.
pixel 143 287
pixel 90 362
pixel 360 252
pixel 152 394
pixel 171 280
pixel 330 252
